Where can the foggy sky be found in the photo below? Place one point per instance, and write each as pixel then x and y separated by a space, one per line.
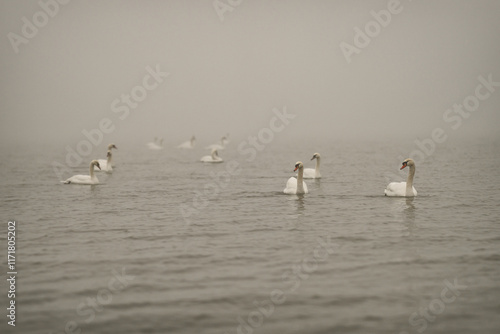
pixel 227 76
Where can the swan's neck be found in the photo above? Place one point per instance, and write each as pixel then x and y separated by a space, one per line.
pixel 192 141
pixel 214 155
pixel 409 181
pixel 317 165
pixel 300 181
pixel 110 158
pixel 92 176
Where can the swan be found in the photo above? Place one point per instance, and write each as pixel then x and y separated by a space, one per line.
pixel 85 179
pixel 110 147
pixel 221 146
pixel 313 173
pixel 156 145
pixel 405 189
pixel 155 139
pixel 104 162
pixel 212 158
pixel 106 165
pixel 296 185
pixel 188 144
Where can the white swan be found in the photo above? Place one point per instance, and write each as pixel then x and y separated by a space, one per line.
pixel 214 157
pixel 404 189
pixel 156 145
pixel 188 144
pixel 296 185
pixel 85 179
pixel 313 173
pixel 221 146
pixel 153 143
pixel 106 165
pixel 104 162
pixel 110 147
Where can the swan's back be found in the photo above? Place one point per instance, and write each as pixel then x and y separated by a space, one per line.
pixel 398 189
pixel 81 179
pixel 186 144
pixel 291 186
pixel 310 173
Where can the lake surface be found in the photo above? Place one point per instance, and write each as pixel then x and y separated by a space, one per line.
pixel 248 259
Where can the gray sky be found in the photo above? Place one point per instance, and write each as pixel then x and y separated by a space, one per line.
pixel 226 76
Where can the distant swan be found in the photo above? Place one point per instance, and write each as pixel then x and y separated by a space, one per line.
pixel 221 146
pixel 404 189
pixel 313 173
pixel 106 165
pixel 156 145
pixel 85 179
pixel 110 147
pixel 214 157
pixel 296 185
pixel 188 144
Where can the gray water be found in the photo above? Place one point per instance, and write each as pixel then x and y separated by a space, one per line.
pixel 366 263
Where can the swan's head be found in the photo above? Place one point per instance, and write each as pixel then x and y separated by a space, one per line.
pixel 298 165
pixel 408 162
pixel 108 155
pixel 316 156
pixel 110 146
pixel 214 152
pixel 95 163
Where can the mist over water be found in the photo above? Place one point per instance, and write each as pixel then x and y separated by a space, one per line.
pixel 169 244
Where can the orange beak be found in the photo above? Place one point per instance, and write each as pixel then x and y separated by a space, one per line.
pixel 403 166
pixel 296 169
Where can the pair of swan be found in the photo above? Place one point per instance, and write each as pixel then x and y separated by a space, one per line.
pixel 403 189
pixel 214 157
pixel 107 164
pixel 188 144
pixel 297 185
pixel 157 144
pixel 94 164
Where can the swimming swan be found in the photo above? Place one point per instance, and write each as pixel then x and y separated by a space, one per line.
pixel 156 145
pixel 296 185
pixel 188 144
pixel 221 146
pixel 313 173
pixel 212 158
pixel 110 147
pixel 106 165
pixel 404 189
pixel 85 179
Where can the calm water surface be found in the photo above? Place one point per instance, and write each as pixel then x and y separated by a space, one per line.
pixel 341 259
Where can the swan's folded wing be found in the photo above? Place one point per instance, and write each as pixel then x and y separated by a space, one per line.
pixel 79 179
pixel 291 186
pixel 395 189
pixel 309 173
